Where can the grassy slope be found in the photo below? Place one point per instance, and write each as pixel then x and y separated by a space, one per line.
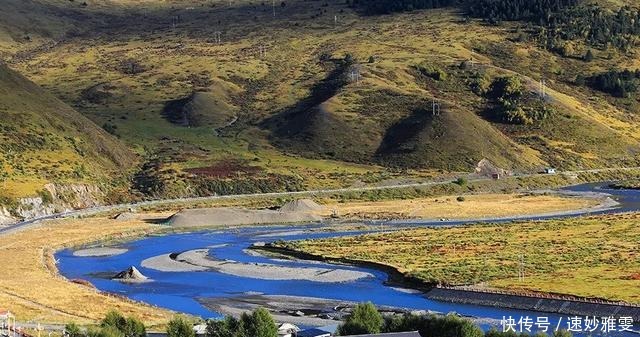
pixel 44 140
pixel 373 122
pixel 34 289
pixel 592 257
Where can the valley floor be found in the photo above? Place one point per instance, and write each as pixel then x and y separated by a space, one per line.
pixel 592 257
pixel 35 290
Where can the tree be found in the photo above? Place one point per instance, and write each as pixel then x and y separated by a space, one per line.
pixel 180 327
pixel 365 319
pixel 260 324
pixel 588 57
pixel 228 327
pixel 107 331
pixel 349 59
pixel 73 330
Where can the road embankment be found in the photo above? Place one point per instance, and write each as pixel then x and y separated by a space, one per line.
pixel 558 304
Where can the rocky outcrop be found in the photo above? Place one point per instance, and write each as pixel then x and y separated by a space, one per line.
pixel 5 217
pixel 132 274
pixel 54 198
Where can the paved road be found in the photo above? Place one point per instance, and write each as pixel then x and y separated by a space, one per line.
pixel 124 207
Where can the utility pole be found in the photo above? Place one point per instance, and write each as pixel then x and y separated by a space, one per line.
pixel 273 5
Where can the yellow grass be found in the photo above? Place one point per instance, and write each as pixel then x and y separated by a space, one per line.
pixel 474 206
pixel 31 287
pixel 589 257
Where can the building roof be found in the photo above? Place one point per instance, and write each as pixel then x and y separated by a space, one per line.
pixel 313 333
pixel 394 334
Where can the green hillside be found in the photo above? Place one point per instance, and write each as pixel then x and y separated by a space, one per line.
pixel 43 140
pixel 334 93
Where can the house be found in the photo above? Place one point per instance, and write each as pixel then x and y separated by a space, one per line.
pixel 394 334
pixel 313 333
pixel 287 330
pixel 550 170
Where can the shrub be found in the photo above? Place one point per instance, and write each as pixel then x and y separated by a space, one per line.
pixel 432 72
pixel 460 199
pixel 461 181
pixel 259 324
pixel 73 330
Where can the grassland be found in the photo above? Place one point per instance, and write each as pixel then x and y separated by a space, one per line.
pixel 590 257
pixel 367 131
pixel 31 285
pixel 36 292
pixel 42 140
pixel 457 207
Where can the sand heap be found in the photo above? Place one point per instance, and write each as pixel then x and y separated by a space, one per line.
pixel 233 216
pixel 126 216
pixel 301 205
pixel 131 275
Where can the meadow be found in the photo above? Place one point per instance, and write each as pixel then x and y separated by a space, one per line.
pixel 30 282
pixel 123 75
pixel 595 257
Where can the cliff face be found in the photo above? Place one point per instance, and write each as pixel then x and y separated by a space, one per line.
pixel 57 198
pixel 5 216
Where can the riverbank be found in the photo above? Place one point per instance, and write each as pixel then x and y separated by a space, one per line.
pixel 538 302
pixel 631 184
pixel 551 303
pixel 24 244
pixel 31 287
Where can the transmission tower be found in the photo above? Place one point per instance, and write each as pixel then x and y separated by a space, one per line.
pixel 543 88
pixel 355 75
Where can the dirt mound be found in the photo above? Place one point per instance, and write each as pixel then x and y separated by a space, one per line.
pixel 232 216
pixel 301 205
pixel 125 216
pixel 130 275
pixel 103 93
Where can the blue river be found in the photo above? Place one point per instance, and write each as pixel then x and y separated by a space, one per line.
pixel 179 291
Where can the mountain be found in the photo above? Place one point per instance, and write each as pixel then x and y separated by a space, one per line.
pixel 232 97
pixel 46 141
